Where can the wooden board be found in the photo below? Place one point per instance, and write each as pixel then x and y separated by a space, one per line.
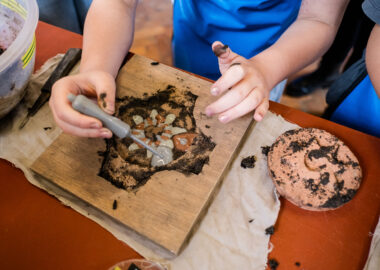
pixel 166 209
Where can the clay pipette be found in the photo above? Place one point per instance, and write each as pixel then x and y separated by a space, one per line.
pixel 119 128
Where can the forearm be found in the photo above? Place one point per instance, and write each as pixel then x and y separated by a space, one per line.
pixel 108 35
pixel 373 58
pixel 307 39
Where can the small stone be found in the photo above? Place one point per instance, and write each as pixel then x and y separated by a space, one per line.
pixel 178 130
pixel 170 119
pixel 137 119
pixel 166 152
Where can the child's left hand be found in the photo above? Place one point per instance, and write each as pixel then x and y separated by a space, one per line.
pixel 243 84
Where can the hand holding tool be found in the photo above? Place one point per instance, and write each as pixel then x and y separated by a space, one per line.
pixel 119 128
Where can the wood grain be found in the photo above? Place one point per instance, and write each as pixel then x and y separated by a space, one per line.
pixel 170 204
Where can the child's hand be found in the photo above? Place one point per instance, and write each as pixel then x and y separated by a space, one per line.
pixel 243 84
pixel 97 84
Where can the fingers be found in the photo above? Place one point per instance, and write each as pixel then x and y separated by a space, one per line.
pixel 234 96
pixel 233 75
pixel 84 132
pixel 261 110
pixel 254 98
pixel 224 54
pixel 61 106
pixel 93 84
pixel 105 88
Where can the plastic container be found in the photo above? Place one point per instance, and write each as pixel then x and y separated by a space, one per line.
pixel 135 264
pixel 18 22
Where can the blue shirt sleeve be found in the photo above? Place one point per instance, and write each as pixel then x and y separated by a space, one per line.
pixel 372 9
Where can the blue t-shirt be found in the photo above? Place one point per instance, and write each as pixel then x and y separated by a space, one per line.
pixel 360 109
pixel 247 26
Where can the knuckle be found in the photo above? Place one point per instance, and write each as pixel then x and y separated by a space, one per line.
pixel 255 100
pixel 60 115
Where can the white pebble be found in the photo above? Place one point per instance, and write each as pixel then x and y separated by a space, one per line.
pixel 133 147
pixel 183 141
pixel 153 114
pixel 167 143
pixel 137 119
pixel 169 119
pixel 167 157
pixel 178 130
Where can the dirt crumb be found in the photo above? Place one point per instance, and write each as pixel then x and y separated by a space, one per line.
pixel 269 230
pixel 248 162
pixel 273 264
pixel 114 205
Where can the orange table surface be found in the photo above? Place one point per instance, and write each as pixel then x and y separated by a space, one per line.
pixel 38 232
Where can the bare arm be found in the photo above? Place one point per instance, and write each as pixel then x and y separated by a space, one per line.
pixel 108 35
pixel 247 86
pixel 307 39
pixel 373 58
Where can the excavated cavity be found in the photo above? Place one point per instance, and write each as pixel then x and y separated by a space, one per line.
pixel 128 166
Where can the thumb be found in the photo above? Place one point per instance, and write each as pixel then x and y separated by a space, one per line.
pixel 105 88
pixel 224 54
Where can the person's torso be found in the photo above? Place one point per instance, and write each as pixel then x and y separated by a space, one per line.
pixel 247 26
pixel 360 109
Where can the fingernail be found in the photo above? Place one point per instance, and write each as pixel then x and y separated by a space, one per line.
pixel 219 50
pixel 208 112
pixel 223 118
pixel 106 133
pixel 214 91
pixel 259 117
pixel 95 125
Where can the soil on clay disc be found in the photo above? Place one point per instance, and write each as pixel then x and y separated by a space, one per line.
pixel 131 169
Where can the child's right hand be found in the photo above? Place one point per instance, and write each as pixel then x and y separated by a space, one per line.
pixel 100 86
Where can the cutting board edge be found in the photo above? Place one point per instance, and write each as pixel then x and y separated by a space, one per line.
pixel 95 211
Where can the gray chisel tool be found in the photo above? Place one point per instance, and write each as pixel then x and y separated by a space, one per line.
pixel 119 128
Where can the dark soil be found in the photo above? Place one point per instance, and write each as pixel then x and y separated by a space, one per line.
pixel 219 50
pixel 265 150
pixel 102 99
pixel 273 264
pixel 269 230
pixel 134 169
pixel 248 162
pixel 133 267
